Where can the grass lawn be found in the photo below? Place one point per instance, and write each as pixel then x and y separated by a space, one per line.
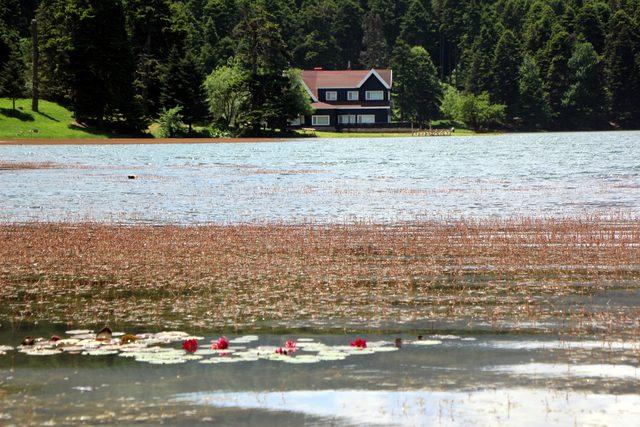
pixel 53 121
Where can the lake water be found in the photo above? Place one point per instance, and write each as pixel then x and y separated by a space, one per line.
pixel 327 180
pixel 457 379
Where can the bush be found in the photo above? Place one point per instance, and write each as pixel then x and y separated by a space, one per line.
pixel 474 111
pixel 171 124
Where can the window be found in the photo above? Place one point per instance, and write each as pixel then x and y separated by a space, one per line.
pixel 353 95
pixel 298 121
pixel 346 119
pixel 375 95
pixel 320 120
pixel 331 95
pixel 366 118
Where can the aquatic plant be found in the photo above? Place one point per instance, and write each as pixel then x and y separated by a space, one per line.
pixel 190 346
pixel 221 344
pixel 520 273
pixel 359 343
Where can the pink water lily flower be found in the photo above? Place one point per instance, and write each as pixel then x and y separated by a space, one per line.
pixel 290 346
pixel 221 344
pixel 359 343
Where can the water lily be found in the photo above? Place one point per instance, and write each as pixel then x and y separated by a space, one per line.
pixel 359 343
pixel 190 346
pixel 221 344
pixel 290 346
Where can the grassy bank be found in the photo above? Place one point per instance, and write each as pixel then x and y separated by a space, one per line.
pixel 52 122
pixel 55 122
pixel 520 272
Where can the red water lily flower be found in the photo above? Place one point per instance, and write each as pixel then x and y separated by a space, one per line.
pixel 290 346
pixel 359 343
pixel 221 344
pixel 190 345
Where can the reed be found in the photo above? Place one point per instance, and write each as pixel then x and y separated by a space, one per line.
pixel 516 272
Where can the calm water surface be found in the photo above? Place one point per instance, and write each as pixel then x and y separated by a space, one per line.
pixel 463 379
pixel 327 180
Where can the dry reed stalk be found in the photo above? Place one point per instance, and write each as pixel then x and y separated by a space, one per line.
pixel 515 271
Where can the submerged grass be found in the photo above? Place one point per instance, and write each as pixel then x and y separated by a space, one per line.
pixel 518 272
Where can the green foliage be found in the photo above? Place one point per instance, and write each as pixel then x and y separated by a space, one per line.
pixel 182 86
pixel 532 107
pixel 418 91
pixel 474 111
pixel 374 45
pixel 12 76
pixel 507 58
pixel 102 66
pixel 585 101
pixel 622 57
pixel 113 63
pixel 171 124
pixel 227 96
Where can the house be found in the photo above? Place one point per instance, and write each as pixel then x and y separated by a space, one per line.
pixel 347 98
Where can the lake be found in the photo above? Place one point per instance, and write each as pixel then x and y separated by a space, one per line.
pixel 459 373
pixel 334 180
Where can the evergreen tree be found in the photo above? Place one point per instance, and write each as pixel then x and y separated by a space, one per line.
pixel 374 54
pixel 506 63
pixel 478 67
pixel 348 29
pixel 12 80
pixel 591 23
pixel 218 21
pixel 402 89
pixel 533 107
pixel 585 101
pixel 317 46
pixel 182 87
pixel 102 66
pixel 419 28
pixel 557 54
pixel 623 69
pixel 426 91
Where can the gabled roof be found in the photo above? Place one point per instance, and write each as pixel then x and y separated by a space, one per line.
pixel 342 79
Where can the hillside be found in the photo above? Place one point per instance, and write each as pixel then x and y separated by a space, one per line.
pixel 53 121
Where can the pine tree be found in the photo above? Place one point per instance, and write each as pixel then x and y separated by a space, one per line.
pixel 591 23
pixel 507 59
pixel 102 66
pixel 374 54
pixel 478 67
pixel 557 54
pixel 317 46
pixel 532 107
pixel 419 28
pixel 425 86
pixel 348 31
pixel 623 69
pixel 182 87
pixel 585 101
pixel 12 79
pixel 402 89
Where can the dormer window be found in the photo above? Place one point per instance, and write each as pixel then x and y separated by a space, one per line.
pixel 375 95
pixel 331 96
pixel 353 95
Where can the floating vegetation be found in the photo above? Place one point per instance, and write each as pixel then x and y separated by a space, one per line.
pixel 517 274
pixel 156 348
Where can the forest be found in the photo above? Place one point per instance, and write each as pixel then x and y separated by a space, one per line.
pixel 504 64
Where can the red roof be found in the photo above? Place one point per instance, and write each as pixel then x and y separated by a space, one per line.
pixel 342 79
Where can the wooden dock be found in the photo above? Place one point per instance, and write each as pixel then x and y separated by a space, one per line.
pixel 432 132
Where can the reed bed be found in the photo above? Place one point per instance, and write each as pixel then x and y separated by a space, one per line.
pixel 516 273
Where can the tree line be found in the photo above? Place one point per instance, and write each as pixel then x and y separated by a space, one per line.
pixel 517 64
